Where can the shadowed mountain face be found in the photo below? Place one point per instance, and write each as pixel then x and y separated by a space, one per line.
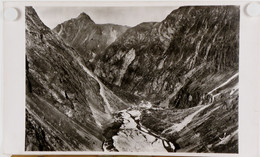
pixel 67 107
pixel 159 86
pixel 87 37
pixel 187 54
pixel 187 64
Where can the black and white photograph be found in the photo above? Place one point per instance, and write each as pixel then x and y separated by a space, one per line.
pixel 139 79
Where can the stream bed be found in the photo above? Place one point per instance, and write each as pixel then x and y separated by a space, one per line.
pixel 131 136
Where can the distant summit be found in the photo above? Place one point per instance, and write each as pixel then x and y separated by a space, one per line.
pixel 159 86
pixel 87 37
pixel 57 87
pixel 84 16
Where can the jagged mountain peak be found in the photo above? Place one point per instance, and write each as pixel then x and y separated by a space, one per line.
pixel 84 16
pixel 59 84
pixel 87 37
pixel 176 77
pixel 187 40
pixel 33 20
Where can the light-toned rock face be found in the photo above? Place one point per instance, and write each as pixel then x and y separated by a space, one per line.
pixel 178 63
pixel 127 60
pixel 212 126
pixel 67 107
pixel 189 45
pixel 87 37
pixel 159 86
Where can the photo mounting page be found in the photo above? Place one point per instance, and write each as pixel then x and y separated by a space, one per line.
pixel 157 79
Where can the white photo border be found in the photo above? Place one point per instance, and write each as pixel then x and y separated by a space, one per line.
pixel 14 77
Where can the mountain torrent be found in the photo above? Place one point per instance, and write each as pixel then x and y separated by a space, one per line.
pixel 176 64
pixel 169 86
pixel 66 107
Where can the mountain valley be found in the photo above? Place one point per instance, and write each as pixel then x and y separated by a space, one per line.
pixel 169 86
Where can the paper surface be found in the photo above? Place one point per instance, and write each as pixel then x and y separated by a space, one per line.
pixel 14 86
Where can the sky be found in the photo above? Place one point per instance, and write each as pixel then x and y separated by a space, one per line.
pixel 130 16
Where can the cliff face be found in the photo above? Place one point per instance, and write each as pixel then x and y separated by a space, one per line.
pixel 179 78
pixel 87 37
pixel 188 65
pixel 190 52
pixel 212 126
pixel 67 107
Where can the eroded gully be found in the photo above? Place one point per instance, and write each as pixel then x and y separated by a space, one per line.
pixel 131 136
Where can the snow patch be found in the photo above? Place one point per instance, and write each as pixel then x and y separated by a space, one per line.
pixel 134 138
pixel 135 113
pixel 128 121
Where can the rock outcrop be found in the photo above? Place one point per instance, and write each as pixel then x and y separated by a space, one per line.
pixel 180 74
pixel 211 127
pixel 67 107
pixel 187 65
pixel 184 56
pixel 87 37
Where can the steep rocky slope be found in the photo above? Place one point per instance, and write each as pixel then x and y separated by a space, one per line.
pixel 187 67
pixel 87 37
pixel 67 107
pixel 179 78
pixel 212 127
pixel 186 55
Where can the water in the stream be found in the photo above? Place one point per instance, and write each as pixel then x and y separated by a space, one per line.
pixel 132 137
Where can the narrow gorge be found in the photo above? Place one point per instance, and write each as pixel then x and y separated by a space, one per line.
pixel 163 87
